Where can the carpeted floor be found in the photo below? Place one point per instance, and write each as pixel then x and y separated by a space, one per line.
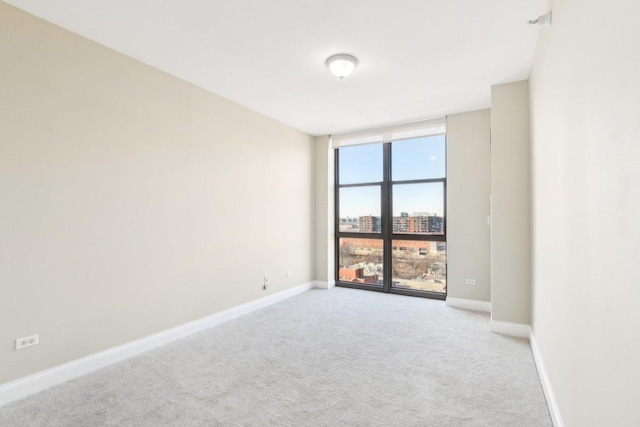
pixel 323 358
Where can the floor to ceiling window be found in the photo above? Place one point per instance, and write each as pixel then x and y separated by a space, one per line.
pixel 391 210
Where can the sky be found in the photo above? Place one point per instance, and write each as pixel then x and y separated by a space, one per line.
pixel 420 158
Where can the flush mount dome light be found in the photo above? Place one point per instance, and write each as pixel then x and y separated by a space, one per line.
pixel 342 65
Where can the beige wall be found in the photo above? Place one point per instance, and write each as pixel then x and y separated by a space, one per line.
pixel 510 204
pixel 132 201
pixel 468 189
pixel 325 206
pixel 585 127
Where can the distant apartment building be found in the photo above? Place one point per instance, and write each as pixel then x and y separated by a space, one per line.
pixel 369 224
pixel 348 224
pixel 402 223
pixel 436 224
pixel 422 223
pixel 418 223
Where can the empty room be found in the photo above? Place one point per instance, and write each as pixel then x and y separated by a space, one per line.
pixel 319 213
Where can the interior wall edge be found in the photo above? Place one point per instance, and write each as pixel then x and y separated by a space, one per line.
pixel 469 304
pixel 554 410
pixel 510 328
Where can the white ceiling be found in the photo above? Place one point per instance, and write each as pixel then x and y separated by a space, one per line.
pixel 418 58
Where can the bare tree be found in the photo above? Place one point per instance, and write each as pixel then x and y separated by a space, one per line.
pixel 347 256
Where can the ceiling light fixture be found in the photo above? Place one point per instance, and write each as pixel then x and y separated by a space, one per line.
pixel 342 65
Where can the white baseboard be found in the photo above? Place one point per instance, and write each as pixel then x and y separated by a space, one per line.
pixel 324 285
pixel 41 380
pixel 469 304
pixel 508 328
pixel 554 411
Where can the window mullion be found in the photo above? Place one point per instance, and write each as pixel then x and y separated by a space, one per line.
pixel 387 219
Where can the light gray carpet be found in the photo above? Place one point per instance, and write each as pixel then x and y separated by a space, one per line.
pixel 323 358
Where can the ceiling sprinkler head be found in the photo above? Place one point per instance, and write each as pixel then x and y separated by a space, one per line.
pixel 542 20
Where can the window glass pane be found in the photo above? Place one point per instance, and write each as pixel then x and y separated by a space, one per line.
pixel 360 164
pixel 420 158
pixel 361 261
pixel 418 208
pixel 421 266
pixel 360 209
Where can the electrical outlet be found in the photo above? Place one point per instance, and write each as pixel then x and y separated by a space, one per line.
pixel 265 285
pixel 471 281
pixel 289 273
pixel 27 341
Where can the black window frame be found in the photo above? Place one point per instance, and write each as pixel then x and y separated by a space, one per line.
pixel 386 216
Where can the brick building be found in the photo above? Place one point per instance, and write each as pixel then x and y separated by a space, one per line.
pixel 420 247
pixel 422 224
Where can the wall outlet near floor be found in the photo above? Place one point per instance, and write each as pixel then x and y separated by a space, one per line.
pixel 27 341
pixel 471 281
pixel 289 273
pixel 265 285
